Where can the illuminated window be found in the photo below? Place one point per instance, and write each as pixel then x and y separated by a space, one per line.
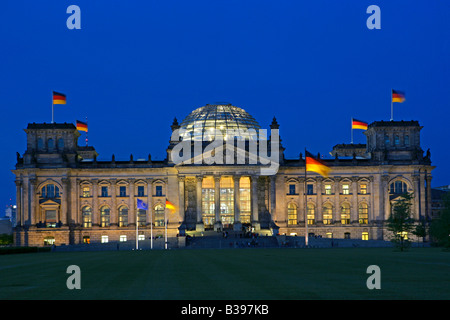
pixel 105 239
pixel 345 189
pixel 50 218
pixel 86 192
pixel 245 200
pixel 345 213
pixel 363 212
pixel 311 213
pixel 123 216
pixel 327 212
pixel 363 188
pixel 86 239
pixel 403 235
pixel 159 215
pixel 365 236
pixel 105 217
pixel 141 237
pixel 226 201
pixel 292 214
pixel 329 235
pixel 328 189
pixel 87 217
pixel 122 238
pixel 208 202
pixel 48 241
pixel 141 217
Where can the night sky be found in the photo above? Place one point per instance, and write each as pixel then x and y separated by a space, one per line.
pixel 135 65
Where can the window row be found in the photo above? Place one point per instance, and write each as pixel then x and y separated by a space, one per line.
pixel 328 189
pixel 50 144
pixel 123 216
pixel 123 191
pixel 328 212
pixel 396 141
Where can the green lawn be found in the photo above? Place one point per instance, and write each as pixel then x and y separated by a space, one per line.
pixel 229 274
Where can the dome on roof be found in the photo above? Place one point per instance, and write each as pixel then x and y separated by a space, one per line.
pixel 204 122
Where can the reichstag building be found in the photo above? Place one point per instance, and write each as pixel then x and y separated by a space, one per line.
pixel 65 195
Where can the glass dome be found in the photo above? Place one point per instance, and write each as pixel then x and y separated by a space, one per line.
pixel 225 119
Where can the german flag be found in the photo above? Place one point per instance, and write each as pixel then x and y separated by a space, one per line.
pixel 170 205
pixel 316 165
pixel 358 124
pixel 82 126
pixel 59 98
pixel 398 96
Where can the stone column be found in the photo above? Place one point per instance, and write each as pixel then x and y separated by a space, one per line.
pixel 273 197
pixel 428 211
pixel 354 201
pixel 423 196
pixel 73 212
pixel 149 216
pixel 237 226
pixel 336 207
pixel 370 203
pixel 18 203
pixel 114 214
pixel 199 226
pixel 32 196
pixel 217 223
pixel 131 210
pixel 181 203
pixel 301 194
pixel 95 213
pixel 64 201
pixel 385 195
pixel 255 213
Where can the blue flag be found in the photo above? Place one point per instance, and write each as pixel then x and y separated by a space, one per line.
pixel 141 204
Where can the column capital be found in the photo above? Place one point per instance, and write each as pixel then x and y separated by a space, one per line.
pixel 181 178
pixel 199 178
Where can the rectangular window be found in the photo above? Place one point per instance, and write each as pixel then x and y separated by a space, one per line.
pixel 104 239
pixel 309 189
pixel 292 189
pixel 141 237
pixel 140 191
pixel 328 189
pixel 363 189
pixel 158 191
pixel 86 192
pixel 104 191
pixel 365 236
pixel 345 189
pixel 122 191
pixel 123 238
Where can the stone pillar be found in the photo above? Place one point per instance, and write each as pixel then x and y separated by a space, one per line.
pixel 217 223
pixel 336 207
pixel 385 195
pixel 428 211
pixel 114 215
pixel 18 203
pixel 32 198
pixel 181 209
pixel 371 215
pixel 132 209
pixel 64 201
pixel 95 213
pixel 199 226
pixel 273 197
pixel 416 200
pixel 255 213
pixel 301 194
pixel 149 214
pixel 423 196
pixel 319 198
pixel 72 218
pixel 354 201
pixel 237 226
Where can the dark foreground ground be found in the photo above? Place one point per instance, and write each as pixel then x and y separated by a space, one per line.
pixel 229 274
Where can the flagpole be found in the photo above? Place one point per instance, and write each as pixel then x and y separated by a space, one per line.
pixel 151 228
pixel 52 107
pixel 306 208
pixel 351 125
pixel 137 227
pixel 165 229
pixel 87 132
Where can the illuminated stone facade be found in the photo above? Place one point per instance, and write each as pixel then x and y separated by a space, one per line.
pixel 66 196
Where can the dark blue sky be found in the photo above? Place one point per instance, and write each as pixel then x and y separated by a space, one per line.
pixel 135 65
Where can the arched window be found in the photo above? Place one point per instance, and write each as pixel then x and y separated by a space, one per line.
pixel 363 213
pixel 87 217
pixel 396 140
pixel 40 144
pixel 398 187
pixel 123 216
pixel 292 214
pixel 50 191
pixel 311 213
pixel 407 140
pixel 386 140
pixel 105 216
pixel 327 213
pixel 345 213
pixel 159 215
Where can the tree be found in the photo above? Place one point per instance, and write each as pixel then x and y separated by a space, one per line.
pixel 400 222
pixel 440 227
pixel 419 231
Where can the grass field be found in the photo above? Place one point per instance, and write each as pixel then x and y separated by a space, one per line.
pixel 228 274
